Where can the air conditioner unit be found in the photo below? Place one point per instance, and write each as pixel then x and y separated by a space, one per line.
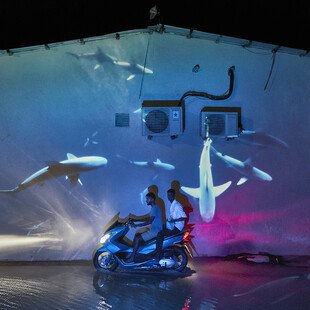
pixel 164 119
pixel 220 122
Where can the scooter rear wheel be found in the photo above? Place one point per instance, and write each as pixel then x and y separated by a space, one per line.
pixel 105 261
pixel 180 257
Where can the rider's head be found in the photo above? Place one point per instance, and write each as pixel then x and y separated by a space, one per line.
pixel 171 194
pixel 150 198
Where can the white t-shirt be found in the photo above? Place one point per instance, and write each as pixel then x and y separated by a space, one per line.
pixel 176 212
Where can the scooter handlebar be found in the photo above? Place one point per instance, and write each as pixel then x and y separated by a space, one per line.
pixel 130 222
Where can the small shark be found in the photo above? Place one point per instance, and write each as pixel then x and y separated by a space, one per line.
pixel 278 290
pixel 150 164
pixel 258 138
pixel 245 168
pixel 206 192
pixel 157 164
pixel 70 167
pixel 91 140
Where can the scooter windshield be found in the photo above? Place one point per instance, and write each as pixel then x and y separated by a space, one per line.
pixel 114 222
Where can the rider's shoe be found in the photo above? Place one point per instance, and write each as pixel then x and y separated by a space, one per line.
pixel 158 256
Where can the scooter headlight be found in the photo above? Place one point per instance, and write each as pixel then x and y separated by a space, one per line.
pixel 104 238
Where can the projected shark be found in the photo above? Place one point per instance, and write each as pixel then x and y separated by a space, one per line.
pixel 259 138
pixel 133 68
pixel 245 168
pixel 99 57
pixel 157 164
pixel 206 192
pixel 91 139
pixel 71 168
pixel 278 290
pixel 150 164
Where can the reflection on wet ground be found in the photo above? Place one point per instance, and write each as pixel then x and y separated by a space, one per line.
pixel 209 283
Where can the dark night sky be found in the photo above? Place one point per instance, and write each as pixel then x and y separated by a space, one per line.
pixel 26 23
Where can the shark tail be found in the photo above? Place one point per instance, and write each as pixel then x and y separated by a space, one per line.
pixel 10 191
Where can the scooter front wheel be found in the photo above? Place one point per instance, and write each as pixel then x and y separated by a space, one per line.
pixel 105 261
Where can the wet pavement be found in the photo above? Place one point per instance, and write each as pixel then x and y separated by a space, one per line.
pixel 208 283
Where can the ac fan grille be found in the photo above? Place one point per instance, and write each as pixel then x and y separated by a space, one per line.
pixel 216 124
pixel 157 121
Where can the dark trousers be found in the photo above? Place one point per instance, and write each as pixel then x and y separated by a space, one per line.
pixel 161 236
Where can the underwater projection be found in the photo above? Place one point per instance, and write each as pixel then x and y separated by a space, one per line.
pixel 206 192
pixel 74 153
pixel 71 168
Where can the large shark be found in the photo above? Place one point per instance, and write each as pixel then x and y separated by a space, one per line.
pixel 133 68
pixel 206 192
pixel 99 57
pixel 245 168
pixel 71 168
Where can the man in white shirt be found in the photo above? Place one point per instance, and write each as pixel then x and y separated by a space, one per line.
pixel 175 222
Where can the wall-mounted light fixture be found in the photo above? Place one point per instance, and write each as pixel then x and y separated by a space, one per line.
pixel 9 52
pixel 196 68
pixel 161 29
pixel 190 33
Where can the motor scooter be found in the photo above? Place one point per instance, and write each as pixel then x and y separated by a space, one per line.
pixel 114 248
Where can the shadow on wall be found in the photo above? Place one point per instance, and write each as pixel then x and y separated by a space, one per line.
pixel 159 201
pixel 188 208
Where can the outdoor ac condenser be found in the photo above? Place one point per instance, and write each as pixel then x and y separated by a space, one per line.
pixel 220 121
pixel 162 118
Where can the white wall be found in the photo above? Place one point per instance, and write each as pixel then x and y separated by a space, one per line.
pixel 53 100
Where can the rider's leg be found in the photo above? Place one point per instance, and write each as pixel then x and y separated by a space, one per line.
pixel 136 242
pixel 160 240
pixel 159 243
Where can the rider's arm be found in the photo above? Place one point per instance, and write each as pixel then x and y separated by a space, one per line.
pixel 181 219
pixel 139 218
pixel 147 222
pixel 177 214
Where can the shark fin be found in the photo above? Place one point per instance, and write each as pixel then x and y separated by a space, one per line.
pixel 86 143
pixel 73 179
pixel 158 160
pixel 70 156
pixel 155 177
pixel 248 162
pixel 52 163
pixel 10 191
pixel 130 77
pixel 242 180
pixel 194 192
pixel 218 190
